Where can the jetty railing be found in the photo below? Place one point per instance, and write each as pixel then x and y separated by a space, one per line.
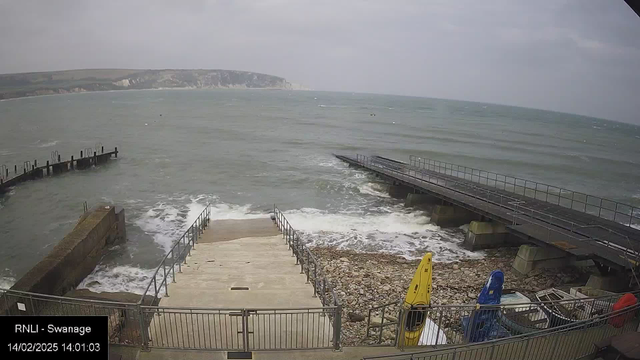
pixel 567 342
pixel 519 214
pixel 176 257
pixel 446 323
pixel 607 209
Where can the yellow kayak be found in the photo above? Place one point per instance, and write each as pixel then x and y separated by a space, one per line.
pixel 418 297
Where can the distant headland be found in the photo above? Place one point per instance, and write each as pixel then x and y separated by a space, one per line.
pixel 74 81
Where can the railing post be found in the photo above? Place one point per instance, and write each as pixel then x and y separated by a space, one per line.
pixel 337 327
pixel 307 263
pixel 173 265
pixel 315 279
pixel 179 260
pixel 245 330
pixel 155 286
pixel 186 246
pixel 144 331
pixel 166 286
pixel 401 328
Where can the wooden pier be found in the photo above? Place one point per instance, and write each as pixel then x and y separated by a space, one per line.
pixel 31 171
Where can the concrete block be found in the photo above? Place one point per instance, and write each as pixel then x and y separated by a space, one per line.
pixel 525 266
pixel 420 199
pixel 536 253
pixel 483 241
pixel 608 283
pixel 451 216
pixel 481 227
pixel 399 191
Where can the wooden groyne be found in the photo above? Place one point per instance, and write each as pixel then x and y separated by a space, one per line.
pixel 31 171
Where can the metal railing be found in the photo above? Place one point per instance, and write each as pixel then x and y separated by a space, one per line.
pixel 176 257
pixel 567 342
pixel 604 208
pixel 551 223
pixel 446 322
pixel 124 319
pixel 146 325
pixel 242 329
pixel 309 265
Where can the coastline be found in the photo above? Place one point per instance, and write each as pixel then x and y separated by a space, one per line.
pixel 149 89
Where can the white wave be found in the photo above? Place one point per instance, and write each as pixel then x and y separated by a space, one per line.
pixel 167 220
pixel 374 189
pixel 231 211
pixel 164 223
pixel 6 152
pixel 408 234
pixel 122 278
pixel 48 144
pixel 7 282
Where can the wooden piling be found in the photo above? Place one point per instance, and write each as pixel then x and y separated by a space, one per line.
pixel 47 167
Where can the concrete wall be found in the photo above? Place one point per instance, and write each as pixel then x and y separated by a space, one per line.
pixel 483 235
pixel 77 254
pixel 452 216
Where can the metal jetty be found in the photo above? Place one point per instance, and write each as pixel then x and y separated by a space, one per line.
pixel 586 226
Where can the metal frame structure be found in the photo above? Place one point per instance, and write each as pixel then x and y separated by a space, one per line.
pixel 604 208
pixel 517 213
pixel 447 318
pixel 568 342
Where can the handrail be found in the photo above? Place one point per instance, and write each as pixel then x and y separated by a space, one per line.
pixel 178 255
pixel 583 324
pixel 476 176
pixel 321 286
pixel 320 283
pixel 506 202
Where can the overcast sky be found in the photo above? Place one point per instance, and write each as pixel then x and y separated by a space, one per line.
pixel 579 56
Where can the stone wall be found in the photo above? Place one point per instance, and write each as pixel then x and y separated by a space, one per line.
pixel 77 254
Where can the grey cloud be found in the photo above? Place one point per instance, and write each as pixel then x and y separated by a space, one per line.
pixel 577 56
